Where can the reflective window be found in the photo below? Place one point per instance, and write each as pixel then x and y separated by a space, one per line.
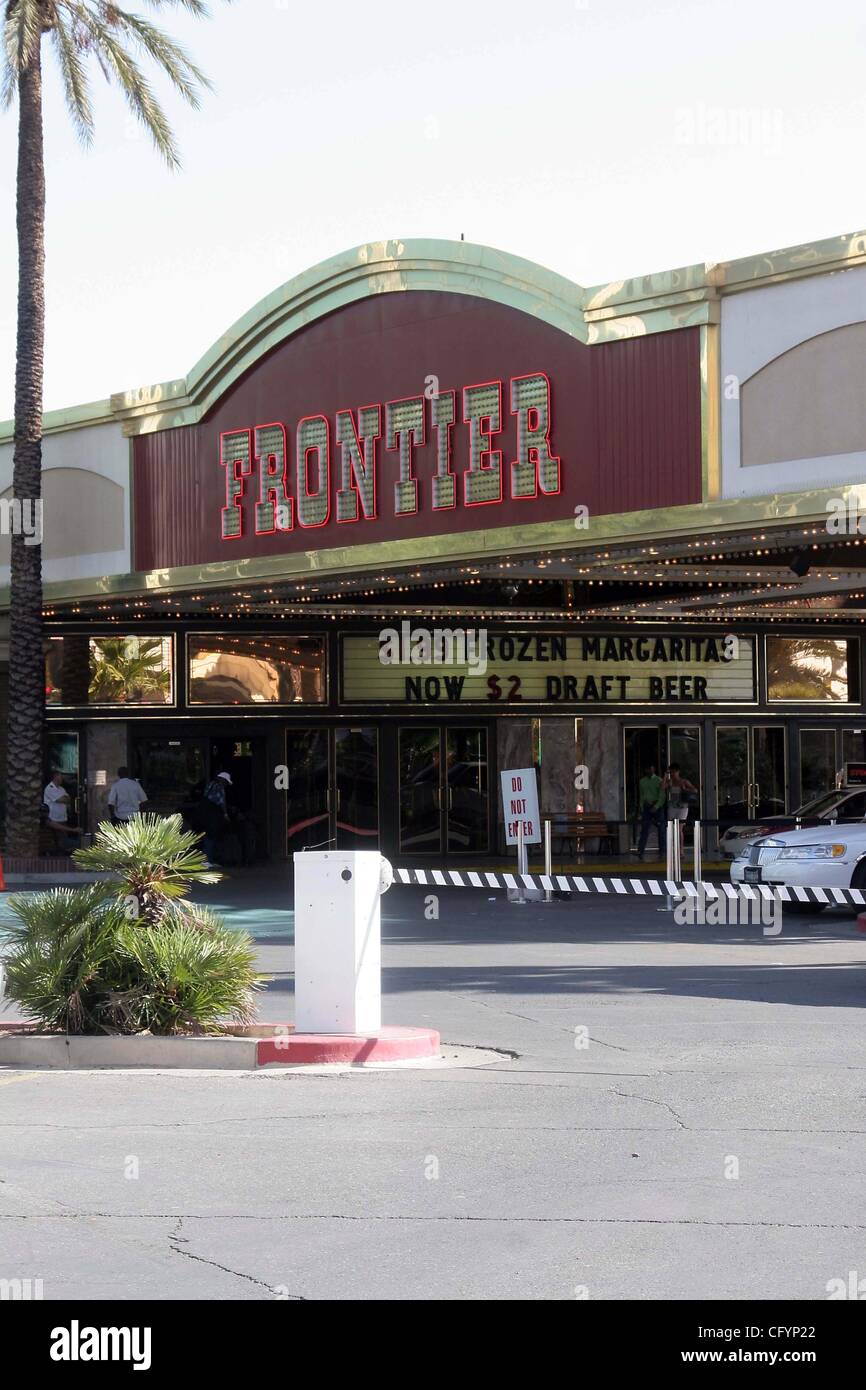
pixel 812 668
pixel 817 762
pixel 63 755
pixel 642 751
pixel 853 746
pixel 82 670
pixel 238 669
pixel 684 748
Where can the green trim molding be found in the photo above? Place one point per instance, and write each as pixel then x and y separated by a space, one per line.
pixel 703 519
pixel 657 303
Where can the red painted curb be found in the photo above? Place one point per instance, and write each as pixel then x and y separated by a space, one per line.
pixel 319 1049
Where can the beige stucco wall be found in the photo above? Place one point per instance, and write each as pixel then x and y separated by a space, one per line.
pixel 83 514
pixel 86 503
pixel 808 403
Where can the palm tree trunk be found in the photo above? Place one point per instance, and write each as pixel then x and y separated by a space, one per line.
pixel 26 677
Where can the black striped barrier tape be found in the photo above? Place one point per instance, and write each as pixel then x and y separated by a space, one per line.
pixel 629 887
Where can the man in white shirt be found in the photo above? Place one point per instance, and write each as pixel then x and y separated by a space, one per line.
pixel 126 797
pixel 58 801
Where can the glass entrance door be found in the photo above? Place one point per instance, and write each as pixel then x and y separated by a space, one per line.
pixel 750 772
pixel 333 790
pixel 444 804
pixel 308 814
pixel 356 778
pixel 466 804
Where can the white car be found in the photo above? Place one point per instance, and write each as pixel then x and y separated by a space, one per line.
pixel 845 803
pixel 826 856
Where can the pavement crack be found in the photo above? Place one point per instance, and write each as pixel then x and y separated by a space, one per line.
pixel 627 1095
pixel 175 1239
pixel 415 1219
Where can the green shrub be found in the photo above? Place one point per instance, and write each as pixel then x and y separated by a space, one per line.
pixel 128 956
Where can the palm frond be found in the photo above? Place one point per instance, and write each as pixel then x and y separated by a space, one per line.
pixel 168 55
pixel 131 80
pixel 154 859
pixel 76 88
pixel 195 7
pixel 22 34
pixel 79 962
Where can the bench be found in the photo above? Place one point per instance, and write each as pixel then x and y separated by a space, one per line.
pixel 577 827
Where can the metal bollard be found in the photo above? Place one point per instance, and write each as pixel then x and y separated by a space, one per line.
pixel 548 859
pixel 518 895
pixel 698 865
pixel 673 871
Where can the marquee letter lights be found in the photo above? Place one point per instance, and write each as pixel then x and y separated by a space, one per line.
pixel 236 459
pixel 285 494
pixel 444 411
pixel 275 509
pixel 314 437
pixel 359 470
pixel 404 427
pixel 482 411
pixel 535 466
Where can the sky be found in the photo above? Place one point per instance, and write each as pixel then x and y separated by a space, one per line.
pixel 599 138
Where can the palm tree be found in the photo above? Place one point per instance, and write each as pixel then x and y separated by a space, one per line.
pixel 77 29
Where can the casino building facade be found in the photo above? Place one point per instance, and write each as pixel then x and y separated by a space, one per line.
pixel 429 511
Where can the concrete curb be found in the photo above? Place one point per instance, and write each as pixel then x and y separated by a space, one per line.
pixel 324 1049
pixel 269 1045
pixel 55 1052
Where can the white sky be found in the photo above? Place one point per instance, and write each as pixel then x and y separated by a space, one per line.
pixel 600 138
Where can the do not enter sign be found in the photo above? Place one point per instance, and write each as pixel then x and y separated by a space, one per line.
pixel 520 805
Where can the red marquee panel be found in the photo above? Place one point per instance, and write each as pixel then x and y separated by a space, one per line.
pixel 618 429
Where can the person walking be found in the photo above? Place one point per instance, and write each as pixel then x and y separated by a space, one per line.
pixel 213 814
pixel 126 798
pixel 651 800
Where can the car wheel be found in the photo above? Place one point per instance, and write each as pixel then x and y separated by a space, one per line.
pixel 858 879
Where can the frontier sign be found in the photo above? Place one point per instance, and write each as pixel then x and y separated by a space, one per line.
pixel 352 485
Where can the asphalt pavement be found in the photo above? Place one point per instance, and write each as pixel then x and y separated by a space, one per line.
pixel 678 1113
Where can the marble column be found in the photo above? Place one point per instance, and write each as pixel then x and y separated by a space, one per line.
pixel 107 750
pixel 558 761
pixel 602 753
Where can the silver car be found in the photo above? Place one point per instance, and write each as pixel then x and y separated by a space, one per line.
pixel 845 803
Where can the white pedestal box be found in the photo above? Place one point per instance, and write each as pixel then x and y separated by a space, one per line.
pixel 338 951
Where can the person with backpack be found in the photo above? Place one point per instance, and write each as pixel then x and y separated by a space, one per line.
pixel 212 815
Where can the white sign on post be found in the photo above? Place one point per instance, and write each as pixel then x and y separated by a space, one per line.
pixel 520 805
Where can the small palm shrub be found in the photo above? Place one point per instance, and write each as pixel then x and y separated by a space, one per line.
pixel 129 956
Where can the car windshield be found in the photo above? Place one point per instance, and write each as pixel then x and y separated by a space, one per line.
pixel 819 804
